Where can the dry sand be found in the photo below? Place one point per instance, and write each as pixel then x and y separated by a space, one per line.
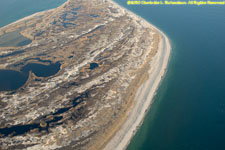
pixel 145 93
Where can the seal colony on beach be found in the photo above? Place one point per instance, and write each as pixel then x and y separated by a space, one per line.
pixel 112 62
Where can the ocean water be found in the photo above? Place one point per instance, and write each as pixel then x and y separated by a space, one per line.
pixel 12 10
pixel 188 112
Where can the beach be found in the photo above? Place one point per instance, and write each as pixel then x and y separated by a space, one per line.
pixel 145 94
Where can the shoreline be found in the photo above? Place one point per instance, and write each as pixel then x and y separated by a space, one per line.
pixel 33 15
pixel 136 115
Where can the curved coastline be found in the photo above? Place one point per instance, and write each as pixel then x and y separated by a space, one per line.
pixel 145 94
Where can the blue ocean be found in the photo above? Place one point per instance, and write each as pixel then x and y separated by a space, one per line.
pixel 188 112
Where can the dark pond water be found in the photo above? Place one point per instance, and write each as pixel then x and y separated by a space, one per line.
pixel 42 70
pixel 93 15
pixel 12 80
pixel 93 66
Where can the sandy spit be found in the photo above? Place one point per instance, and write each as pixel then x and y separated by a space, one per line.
pixel 146 92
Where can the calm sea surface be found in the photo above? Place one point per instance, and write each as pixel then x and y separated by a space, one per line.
pixel 12 10
pixel 188 112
